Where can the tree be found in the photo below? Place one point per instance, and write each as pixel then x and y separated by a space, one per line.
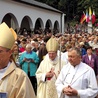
pixel 73 8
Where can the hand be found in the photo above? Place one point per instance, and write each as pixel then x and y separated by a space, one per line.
pixel 66 90
pixel 52 69
pixel 58 72
pixel 31 60
pixel 25 59
pixel 49 74
pixel 69 91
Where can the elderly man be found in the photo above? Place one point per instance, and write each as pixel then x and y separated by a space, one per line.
pixel 76 79
pixel 48 71
pixel 14 83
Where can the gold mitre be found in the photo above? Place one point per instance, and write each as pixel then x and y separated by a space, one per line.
pixel 7 36
pixel 52 45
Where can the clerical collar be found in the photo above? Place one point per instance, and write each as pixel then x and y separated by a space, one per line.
pixel 76 65
pixel 54 59
pixel 4 69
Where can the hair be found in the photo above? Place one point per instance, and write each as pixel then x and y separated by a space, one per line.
pixel 46 38
pixel 14 46
pixel 24 40
pixel 89 47
pixel 76 49
pixel 28 46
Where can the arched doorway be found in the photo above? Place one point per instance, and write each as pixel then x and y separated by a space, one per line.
pixel 26 26
pixel 48 26
pixel 11 21
pixel 39 26
pixel 56 27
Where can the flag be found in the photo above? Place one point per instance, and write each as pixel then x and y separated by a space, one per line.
pixel 93 18
pixel 83 18
pixel 90 13
pixel 87 16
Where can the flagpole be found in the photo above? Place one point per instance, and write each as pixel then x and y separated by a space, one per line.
pixel 60 56
pixel 90 27
pixel 90 21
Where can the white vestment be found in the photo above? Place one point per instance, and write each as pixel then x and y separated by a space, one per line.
pixel 46 88
pixel 82 78
pixel 64 57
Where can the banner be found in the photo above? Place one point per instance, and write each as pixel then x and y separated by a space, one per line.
pixel 83 18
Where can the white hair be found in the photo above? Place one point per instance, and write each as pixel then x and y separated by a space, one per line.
pixel 28 46
pixel 32 42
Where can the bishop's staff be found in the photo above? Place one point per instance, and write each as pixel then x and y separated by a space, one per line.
pixel 60 55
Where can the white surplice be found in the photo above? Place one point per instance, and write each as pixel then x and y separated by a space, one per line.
pixel 82 78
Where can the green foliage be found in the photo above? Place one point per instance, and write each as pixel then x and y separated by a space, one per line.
pixel 73 8
pixel 73 23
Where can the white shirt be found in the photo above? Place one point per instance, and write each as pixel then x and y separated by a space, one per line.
pixel 64 57
pixel 89 57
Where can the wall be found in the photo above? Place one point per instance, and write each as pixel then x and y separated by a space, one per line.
pixel 20 10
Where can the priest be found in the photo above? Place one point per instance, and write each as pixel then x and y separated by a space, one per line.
pixel 14 83
pixel 48 71
pixel 76 79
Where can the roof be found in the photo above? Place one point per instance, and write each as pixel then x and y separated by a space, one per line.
pixel 38 4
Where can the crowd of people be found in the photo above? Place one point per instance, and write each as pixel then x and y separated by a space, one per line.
pixel 49 66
